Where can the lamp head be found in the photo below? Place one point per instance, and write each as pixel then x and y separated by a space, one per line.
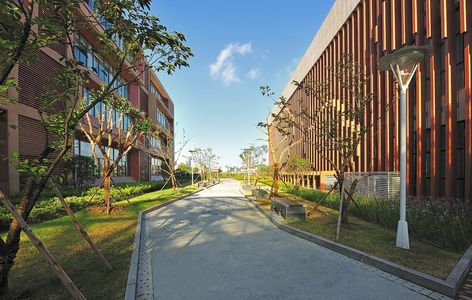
pixel 406 58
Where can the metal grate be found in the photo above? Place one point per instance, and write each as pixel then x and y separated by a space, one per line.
pixel 381 185
pixel 144 287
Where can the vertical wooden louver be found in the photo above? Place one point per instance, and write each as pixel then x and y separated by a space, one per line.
pixel 439 100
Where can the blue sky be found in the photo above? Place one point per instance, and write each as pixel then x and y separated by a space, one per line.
pixel 238 47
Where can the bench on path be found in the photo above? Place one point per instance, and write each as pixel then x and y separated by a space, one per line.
pixel 289 209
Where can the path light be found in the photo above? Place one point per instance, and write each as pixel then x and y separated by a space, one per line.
pixel 191 162
pixel 403 63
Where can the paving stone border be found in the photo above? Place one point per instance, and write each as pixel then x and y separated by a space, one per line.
pixel 448 287
pixel 132 283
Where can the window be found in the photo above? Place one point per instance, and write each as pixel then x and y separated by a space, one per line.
pixel 105 24
pixel 156 165
pixel 103 72
pixel 81 53
pixel 86 93
pixel 90 4
pixel 84 54
pixel 161 119
pixel 126 123
pixel 84 149
pixel 123 90
pixel 153 89
pixel 155 142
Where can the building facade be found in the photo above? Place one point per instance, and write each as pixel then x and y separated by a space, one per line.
pixel 20 126
pixel 439 100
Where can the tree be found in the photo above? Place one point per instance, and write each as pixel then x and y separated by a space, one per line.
pixel 298 165
pixel 253 157
pixel 340 122
pixel 164 148
pixel 143 38
pixel 184 168
pixel 205 160
pixel 114 132
pixel 282 134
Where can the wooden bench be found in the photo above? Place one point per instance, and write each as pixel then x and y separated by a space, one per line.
pixel 289 209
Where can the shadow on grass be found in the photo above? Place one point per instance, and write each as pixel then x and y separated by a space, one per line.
pixel 32 278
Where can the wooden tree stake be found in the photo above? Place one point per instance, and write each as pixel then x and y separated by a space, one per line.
pixel 60 273
pixel 79 228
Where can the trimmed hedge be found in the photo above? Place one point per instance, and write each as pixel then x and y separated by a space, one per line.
pixel 447 224
pixel 49 207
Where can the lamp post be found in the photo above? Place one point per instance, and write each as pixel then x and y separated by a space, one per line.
pixel 403 63
pixel 191 162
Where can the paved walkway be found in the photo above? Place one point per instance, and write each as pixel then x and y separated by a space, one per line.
pixel 214 245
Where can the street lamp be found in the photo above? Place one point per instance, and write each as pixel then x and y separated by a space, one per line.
pixel 191 162
pixel 403 63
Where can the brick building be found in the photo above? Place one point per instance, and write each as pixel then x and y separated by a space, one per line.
pixel 20 127
pixel 439 101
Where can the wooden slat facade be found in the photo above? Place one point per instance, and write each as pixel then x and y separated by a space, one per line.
pixel 439 108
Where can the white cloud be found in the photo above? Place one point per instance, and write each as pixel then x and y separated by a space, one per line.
pixel 224 68
pixel 253 73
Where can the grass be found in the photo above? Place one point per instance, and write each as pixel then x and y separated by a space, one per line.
pixel 32 278
pixel 375 240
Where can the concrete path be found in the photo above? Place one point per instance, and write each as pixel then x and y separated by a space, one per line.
pixel 214 245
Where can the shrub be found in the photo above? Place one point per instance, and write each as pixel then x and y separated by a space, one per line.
pixel 447 224
pixel 81 169
pixel 49 207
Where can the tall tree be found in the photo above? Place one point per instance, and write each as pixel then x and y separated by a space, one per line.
pixel 165 149
pixel 136 36
pixel 252 157
pixel 117 129
pixel 205 160
pixel 282 134
pixel 341 121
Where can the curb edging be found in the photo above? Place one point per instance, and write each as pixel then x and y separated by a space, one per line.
pixel 132 282
pixel 448 287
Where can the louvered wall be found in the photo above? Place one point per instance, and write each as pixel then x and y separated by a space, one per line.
pixel 3 152
pixel 35 79
pixel 439 147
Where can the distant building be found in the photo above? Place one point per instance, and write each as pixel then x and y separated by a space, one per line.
pixel 19 122
pixel 439 104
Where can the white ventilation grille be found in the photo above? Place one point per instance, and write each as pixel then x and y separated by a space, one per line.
pixel 381 185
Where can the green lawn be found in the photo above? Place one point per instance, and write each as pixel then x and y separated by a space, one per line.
pixel 376 240
pixel 32 278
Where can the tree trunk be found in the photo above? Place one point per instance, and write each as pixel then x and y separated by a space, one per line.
pixel 345 213
pixel 4 271
pixel 10 247
pixel 106 192
pixel 172 176
pixel 276 179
